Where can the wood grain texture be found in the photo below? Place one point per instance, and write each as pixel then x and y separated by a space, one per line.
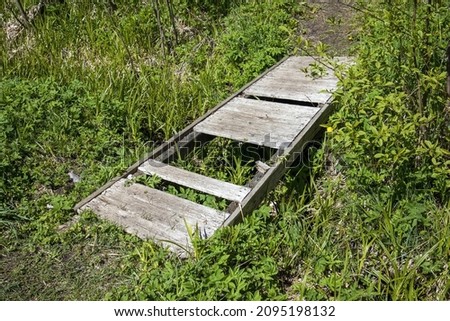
pixel 195 181
pixel 286 125
pixel 184 137
pixel 153 214
pixel 286 157
pixel 289 81
pixel 258 122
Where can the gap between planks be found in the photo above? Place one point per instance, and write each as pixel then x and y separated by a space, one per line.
pixel 289 81
pixel 258 122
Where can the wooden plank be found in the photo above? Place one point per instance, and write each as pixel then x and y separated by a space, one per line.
pixel 262 167
pixel 258 122
pixel 279 89
pixel 152 214
pixel 186 135
pixel 195 181
pixel 276 171
pixel 289 81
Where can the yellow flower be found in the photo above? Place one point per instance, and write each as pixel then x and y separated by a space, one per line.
pixel 329 129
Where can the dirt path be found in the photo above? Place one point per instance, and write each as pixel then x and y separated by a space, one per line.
pixel 330 22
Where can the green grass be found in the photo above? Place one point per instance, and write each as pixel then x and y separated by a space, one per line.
pixel 365 218
pixel 381 206
pixel 92 93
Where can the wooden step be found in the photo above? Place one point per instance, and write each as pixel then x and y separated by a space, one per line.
pixel 277 118
pixel 289 81
pixel 153 214
pixel 195 181
pixel 258 122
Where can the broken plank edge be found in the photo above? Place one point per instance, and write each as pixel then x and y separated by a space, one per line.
pixel 272 176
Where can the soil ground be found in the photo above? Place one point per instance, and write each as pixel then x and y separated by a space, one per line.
pixel 330 22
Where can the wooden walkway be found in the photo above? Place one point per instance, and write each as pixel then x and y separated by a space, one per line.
pixel 281 110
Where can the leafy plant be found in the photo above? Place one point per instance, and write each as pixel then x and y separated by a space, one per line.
pixel 90 90
pixel 382 203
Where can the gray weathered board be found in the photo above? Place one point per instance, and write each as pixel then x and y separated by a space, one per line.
pixel 289 81
pixel 258 122
pixel 282 109
pixel 148 212
pixel 198 182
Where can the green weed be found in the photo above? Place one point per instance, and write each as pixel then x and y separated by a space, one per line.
pixel 381 229
pixel 92 89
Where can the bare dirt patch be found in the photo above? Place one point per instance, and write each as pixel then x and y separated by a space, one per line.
pixel 330 22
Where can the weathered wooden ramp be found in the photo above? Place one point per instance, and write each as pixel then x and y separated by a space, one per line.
pixel 282 110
